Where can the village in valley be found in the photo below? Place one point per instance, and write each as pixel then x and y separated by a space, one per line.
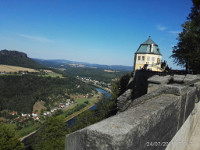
pixel 96 83
pixel 21 117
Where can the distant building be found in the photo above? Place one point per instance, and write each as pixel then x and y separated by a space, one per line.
pixel 34 114
pixel 148 56
pixel 13 113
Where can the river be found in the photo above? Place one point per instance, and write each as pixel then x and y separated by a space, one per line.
pixel 72 121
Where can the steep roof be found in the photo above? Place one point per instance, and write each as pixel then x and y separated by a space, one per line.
pixel 149 41
pixel 145 48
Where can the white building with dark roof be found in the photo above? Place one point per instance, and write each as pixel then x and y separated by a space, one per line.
pixel 148 56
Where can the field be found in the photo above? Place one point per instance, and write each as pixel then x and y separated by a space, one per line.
pixel 23 133
pixel 53 75
pixel 12 69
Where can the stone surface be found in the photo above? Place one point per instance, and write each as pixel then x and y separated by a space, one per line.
pixel 149 122
pixel 154 121
pixel 124 100
pixel 188 137
pixel 159 79
pixel 197 85
pixel 178 78
pixel 194 142
pixel 190 77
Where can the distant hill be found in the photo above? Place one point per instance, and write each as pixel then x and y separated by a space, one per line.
pixel 15 58
pixel 65 63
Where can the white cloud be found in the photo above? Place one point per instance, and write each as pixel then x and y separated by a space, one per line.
pixel 161 28
pixel 35 38
pixel 174 32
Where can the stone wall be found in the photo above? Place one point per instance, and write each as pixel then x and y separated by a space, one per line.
pixel 138 86
pixel 150 122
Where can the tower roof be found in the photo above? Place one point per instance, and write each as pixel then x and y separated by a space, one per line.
pixel 149 41
pixel 148 47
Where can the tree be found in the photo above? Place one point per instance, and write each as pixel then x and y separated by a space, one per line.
pixel 8 139
pixel 187 51
pixel 164 66
pixel 51 135
pixel 120 86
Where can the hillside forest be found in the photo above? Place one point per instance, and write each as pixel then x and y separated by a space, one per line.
pixel 21 92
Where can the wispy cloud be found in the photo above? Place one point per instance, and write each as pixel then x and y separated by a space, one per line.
pixel 174 32
pixel 35 38
pixel 161 28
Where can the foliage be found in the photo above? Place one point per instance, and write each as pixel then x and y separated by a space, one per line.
pixel 28 129
pixel 20 93
pixel 94 74
pixel 120 86
pixel 8 139
pixel 187 51
pixel 164 66
pixel 51 135
pixel 104 109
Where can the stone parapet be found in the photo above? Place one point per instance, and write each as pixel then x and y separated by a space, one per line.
pixel 148 124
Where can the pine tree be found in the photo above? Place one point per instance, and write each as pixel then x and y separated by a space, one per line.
pixel 187 51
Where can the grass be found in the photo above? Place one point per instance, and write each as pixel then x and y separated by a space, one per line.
pixel 92 101
pixel 53 75
pixel 8 68
pixel 27 130
pixel 10 74
pixel 11 69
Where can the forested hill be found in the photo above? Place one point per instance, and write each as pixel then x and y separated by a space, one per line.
pixel 20 93
pixel 16 58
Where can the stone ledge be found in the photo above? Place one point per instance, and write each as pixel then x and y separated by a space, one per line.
pixel 159 79
pixel 154 117
pixel 153 121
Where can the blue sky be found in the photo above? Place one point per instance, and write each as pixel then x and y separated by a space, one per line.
pixel 96 31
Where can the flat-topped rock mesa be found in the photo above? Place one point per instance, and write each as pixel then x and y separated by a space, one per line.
pixel 16 58
pixel 6 52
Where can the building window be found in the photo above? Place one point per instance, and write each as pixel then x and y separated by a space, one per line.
pixel 139 57
pixel 158 60
pixel 152 59
pixel 148 58
pixel 143 58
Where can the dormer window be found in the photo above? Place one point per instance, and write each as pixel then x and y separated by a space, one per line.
pixel 151 48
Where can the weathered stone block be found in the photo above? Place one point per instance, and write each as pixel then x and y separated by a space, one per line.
pixel 175 89
pixel 155 82
pixel 124 100
pixel 179 78
pixel 153 121
pixel 159 79
pixel 190 101
pixel 190 77
pixel 197 85
pixel 76 140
